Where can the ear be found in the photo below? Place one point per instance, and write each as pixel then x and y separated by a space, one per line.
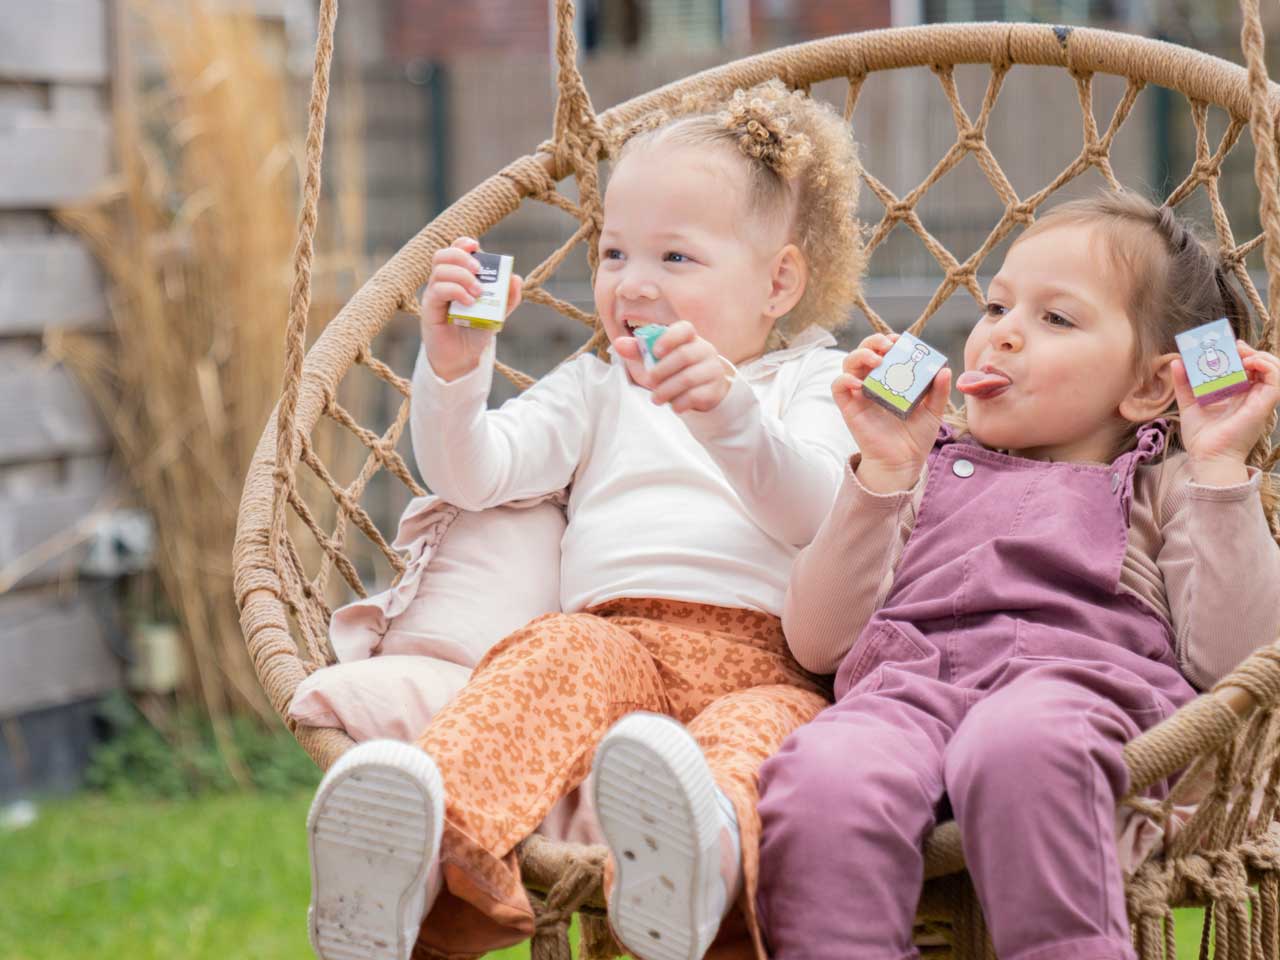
pixel 1153 395
pixel 787 280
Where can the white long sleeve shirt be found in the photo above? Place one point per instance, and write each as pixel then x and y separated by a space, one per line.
pixel 704 507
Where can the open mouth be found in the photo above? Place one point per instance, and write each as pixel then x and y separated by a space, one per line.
pixel 632 325
pixel 983 384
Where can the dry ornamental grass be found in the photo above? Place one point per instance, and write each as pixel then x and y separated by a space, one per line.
pixel 196 236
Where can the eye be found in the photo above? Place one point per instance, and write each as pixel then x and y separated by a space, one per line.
pixel 993 310
pixel 1057 320
pixel 672 256
pixel 612 253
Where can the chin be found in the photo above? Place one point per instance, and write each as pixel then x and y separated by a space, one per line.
pixel 991 431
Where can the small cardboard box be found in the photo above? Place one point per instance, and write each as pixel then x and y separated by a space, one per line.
pixel 1213 363
pixel 489 312
pixel 647 337
pixel 904 375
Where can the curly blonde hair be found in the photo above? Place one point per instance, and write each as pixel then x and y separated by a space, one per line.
pixel 801 163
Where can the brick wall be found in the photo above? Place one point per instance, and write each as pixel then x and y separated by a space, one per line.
pixel 442 29
pixel 775 22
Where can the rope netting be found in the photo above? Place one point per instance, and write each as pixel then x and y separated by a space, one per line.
pixel 582 154
pixel 1227 856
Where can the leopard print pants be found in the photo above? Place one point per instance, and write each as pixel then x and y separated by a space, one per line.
pixel 521 734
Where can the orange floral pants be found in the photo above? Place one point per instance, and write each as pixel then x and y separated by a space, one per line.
pixel 522 733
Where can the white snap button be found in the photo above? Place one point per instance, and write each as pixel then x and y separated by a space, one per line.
pixel 962 468
pixel 1115 482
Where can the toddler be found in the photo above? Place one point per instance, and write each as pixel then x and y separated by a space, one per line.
pixel 1010 599
pixel 692 487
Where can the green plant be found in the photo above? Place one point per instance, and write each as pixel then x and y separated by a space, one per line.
pixel 181 758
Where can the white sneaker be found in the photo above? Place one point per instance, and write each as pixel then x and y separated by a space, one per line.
pixel 673 835
pixel 374 836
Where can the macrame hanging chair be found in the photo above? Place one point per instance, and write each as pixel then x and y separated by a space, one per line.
pixel 1225 860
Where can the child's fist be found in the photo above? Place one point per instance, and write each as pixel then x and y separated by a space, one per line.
pixel 893 450
pixel 689 373
pixel 1218 436
pixel 453 350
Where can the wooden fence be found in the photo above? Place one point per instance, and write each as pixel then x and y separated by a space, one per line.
pixel 56 631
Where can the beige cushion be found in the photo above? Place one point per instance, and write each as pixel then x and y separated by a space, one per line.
pixel 467 585
pixel 384 696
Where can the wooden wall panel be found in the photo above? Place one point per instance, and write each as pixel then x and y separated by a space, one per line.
pixel 49 282
pixel 47 163
pixel 43 413
pixel 54 648
pixel 54 40
pixel 44 536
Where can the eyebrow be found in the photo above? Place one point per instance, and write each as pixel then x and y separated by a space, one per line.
pixel 1053 290
pixel 665 236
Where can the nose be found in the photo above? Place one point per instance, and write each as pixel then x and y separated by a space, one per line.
pixel 1006 335
pixel 637 284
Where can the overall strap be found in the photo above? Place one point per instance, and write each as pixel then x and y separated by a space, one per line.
pixel 1152 440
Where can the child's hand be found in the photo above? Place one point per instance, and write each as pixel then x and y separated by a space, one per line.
pixel 454 351
pixel 689 374
pixel 1218 436
pixel 893 450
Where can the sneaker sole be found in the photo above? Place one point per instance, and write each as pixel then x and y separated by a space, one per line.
pixel 658 813
pixel 373 832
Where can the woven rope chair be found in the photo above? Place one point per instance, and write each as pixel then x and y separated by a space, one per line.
pixel 1226 860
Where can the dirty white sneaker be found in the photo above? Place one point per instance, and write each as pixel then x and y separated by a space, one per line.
pixel 673 835
pixel 374 836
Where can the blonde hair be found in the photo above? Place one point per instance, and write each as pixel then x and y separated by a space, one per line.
pixel 801 165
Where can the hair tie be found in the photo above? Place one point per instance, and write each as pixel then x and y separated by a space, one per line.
pixel 762 134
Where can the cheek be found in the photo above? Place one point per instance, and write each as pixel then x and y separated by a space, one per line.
pixel 692 301
pixel 973 347
pixel 603 292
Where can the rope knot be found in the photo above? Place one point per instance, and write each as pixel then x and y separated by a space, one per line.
pixel 1206 171
pixel 530 177
pixel 1022 213
pixel 331 396
pixel 1097 154
pixel 972 139
pixel 552 917
pixel 899 210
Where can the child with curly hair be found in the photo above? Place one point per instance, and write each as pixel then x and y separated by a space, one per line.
pixel 693 483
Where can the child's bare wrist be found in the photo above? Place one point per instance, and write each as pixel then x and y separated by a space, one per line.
pixel 450 361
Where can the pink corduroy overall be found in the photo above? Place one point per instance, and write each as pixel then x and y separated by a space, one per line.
pixel 1001 678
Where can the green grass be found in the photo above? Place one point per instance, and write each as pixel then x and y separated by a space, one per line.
pixel 215 877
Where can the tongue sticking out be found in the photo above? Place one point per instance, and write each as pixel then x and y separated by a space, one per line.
pixel 981 383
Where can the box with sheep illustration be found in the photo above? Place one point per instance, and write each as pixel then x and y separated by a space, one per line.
pixel 904 375
pixel 1213 363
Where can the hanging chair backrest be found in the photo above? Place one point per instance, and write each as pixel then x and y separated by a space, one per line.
pixel 272 586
